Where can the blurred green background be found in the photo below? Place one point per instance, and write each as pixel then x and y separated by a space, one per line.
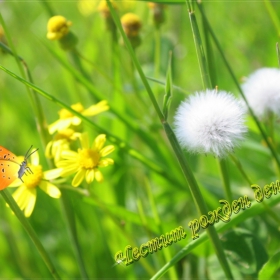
pixel 112 218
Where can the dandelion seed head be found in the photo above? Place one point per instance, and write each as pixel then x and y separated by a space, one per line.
pixel 210 122
pixel 262 90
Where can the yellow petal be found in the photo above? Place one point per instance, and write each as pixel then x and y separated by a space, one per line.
pixel 31 203
pixel 48 150
pixel 105 162
pixel 34 158
pixel 99 141
pixel 68 171
pixel 79 177
pixel 16 183
pixel 59 125
pixel 52 174
pixel 67 154
pixel 107 150
pixel 50 189
pixel 98 175
pixel 96 109
pixel 84 140
pixel 90 175
pixel 76 120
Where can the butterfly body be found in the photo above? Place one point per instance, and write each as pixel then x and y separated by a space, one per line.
pixel 10 168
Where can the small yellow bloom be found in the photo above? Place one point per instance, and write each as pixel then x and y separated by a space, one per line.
pixel 158 12
pixel 61 142
pixel 86 162
pixel 25 195
pixel 131 24
pixel 58 27
pixel 67 119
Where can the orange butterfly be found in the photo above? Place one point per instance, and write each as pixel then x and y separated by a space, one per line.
pixel 10 169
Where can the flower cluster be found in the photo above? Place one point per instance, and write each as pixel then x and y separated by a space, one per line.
pixel 85 163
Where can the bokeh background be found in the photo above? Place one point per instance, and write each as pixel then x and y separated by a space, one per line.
pixel 120 209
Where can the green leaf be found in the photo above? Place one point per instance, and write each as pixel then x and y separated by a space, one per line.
pixel 245 251
pixel 168 89
pixel 270 267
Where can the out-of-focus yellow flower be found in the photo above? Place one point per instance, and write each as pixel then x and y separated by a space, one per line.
pixel 87 7
pixel 66 118
pixel 104 9
pixel 87 161
pixel 26 194
pixel 58 27
pixel 158 12
pixel 61 142
pixel 131 24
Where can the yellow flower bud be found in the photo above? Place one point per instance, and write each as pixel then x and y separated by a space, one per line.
pixel 131 24
pixel 104 9
pixel 157 10
pixel 57 27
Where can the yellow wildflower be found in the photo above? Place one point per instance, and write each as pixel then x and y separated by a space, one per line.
pixel 25 195
pixel 86 162
pixel 61 142
pixel 58 27
pixel 66 118
pixel 158 12
pixel 131 24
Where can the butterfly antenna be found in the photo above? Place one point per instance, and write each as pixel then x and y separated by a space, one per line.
pixel 27 156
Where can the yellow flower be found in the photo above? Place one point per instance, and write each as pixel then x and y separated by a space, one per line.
pixel 25 195
pixel 66 118
pixel 86 162
pixel 57 27
pixel 61 142
pixel 87 7
pixel 131 24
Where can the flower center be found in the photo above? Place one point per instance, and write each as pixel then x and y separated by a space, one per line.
pixel 32 180
pixel 88 158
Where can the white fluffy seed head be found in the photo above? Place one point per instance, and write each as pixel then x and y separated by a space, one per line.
pixel 210 122
pixel 262 90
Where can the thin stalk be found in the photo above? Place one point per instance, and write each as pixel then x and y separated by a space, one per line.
pixel 226 182
pixel 71 225
pixel 177 149
pixel 271 148
pixel 157 55
pixel 204 72
pixel 278 53
pixel 166 252
pixel 16 210
pixel 273 16
pixel 24 70
pixel 240 168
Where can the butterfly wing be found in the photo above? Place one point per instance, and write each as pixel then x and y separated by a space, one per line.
pixel 8 168
pixel 8 173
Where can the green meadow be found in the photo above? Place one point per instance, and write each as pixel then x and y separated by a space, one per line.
pixel 112 175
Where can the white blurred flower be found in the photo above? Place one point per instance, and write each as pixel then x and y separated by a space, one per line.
pixel 262 90
pixel 210 122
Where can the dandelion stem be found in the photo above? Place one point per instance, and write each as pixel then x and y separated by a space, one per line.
pixel 177 149
pixel 278 53
pixel 200 52
pixel 272 150
pixel 13 205
pixel 240 168
pixel 226 182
